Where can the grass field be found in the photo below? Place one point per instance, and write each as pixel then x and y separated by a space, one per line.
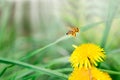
pixel 33 40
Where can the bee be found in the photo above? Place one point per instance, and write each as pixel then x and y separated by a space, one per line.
pixel 73 31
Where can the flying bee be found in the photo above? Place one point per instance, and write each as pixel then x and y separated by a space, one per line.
pixel 73 31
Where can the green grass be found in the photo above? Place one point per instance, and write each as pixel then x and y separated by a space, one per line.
pixel 41 51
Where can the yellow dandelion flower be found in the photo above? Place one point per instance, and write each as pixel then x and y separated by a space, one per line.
pixel 86 55
pixel 88 74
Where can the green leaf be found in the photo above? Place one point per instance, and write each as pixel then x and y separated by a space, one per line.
pixel 32 67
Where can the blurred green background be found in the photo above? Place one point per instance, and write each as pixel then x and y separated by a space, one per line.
pixel 34 32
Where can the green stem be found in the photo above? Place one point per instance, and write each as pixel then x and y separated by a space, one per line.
pixel 2 72
pixel 70 69
pixel 111 14
pixel 3 22
pixel 90 26
pixel 111 72
pixel 114 51
pixel 43 48
pixel 35 68
pixel 105 36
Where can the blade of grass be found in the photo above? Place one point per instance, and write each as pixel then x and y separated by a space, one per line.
pixel 111 72
pixel 70 69
pixel 87 27
pixel 21 75
pixel 3 22
pixel 113 6
pixel 64 70
pixel 114 51
pixel 2 72
pixel 32 67
pixel 58 60
pixel 53 62
pixel 29 77
pixel 43 48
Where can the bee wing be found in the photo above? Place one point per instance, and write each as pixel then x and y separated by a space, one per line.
pixel 69 32
pixel 70 28
pixel 75 29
